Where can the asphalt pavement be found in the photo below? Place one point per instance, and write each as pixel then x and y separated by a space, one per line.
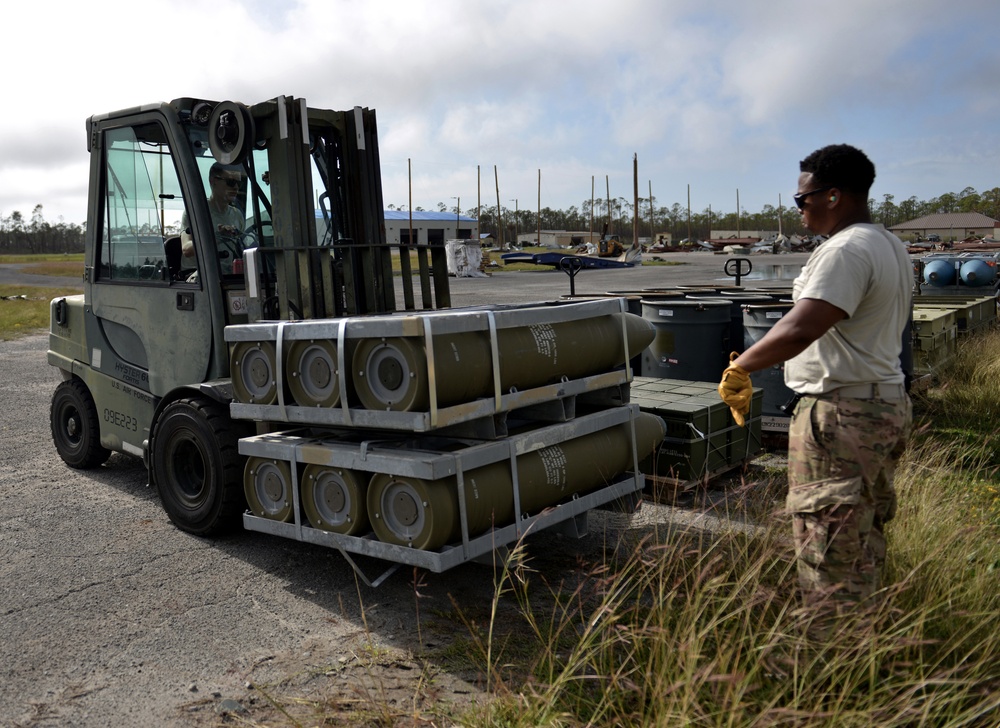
pixel 699 268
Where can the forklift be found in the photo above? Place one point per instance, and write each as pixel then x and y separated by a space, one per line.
pixel 216 232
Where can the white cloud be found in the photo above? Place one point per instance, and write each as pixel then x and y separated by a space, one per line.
pixel 718 95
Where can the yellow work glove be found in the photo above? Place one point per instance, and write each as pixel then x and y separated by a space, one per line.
pixel 736 390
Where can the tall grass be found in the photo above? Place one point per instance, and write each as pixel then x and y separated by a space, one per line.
pixel 74 258
pixel 680 626
pixel 695 629
pixel 25 310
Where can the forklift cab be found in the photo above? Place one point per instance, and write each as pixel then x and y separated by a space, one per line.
pixel 203 215
pixel 171 223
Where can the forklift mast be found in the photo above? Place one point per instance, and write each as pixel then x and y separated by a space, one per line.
pixel 324 254
pixel 299 232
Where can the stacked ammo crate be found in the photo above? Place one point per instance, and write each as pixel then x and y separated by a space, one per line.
pixel 941 321
pixel 434 438
pixel 702 438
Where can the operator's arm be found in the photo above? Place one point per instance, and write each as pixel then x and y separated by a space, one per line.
pixel 808 320
pixel 187 244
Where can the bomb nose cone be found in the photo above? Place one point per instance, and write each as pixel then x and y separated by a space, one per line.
pixel 640 333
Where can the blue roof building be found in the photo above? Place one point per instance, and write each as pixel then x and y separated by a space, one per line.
pixel 429 227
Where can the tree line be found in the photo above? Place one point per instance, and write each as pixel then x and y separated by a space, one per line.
pixel 20 235
pixel 619 214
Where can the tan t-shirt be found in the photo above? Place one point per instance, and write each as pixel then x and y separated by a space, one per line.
pixel 864 271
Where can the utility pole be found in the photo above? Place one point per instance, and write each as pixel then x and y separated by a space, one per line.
pixel 496 181
pixel 738 230
pixel 689 214
pixel 652 215
pixel 538 240
pixel 635 199
pixel 607 184
pixel 591 209
pixel 515 219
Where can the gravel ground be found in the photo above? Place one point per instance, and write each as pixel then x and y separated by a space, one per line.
pixel 111 616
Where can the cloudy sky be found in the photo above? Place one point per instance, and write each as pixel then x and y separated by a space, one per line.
pixel 720 95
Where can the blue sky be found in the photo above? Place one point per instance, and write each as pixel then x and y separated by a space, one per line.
pixel 721 96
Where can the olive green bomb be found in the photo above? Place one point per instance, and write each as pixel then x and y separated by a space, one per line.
pixel 424 514
pixel 334 499
pixel 267 485
pixel 252 366
pixel 392 373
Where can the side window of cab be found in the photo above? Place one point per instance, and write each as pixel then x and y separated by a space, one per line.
pixel 141 221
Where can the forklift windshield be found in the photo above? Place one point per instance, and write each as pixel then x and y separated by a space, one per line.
pixel 239 202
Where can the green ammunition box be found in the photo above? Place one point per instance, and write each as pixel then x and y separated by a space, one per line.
pixel 702 437
pixel 928 321
pixel 972 314
pixel 933 351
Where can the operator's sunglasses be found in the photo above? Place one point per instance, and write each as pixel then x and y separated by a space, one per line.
pixel 800 199
pixel 233 184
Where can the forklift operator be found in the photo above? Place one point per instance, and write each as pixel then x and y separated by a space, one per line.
pixel 227 220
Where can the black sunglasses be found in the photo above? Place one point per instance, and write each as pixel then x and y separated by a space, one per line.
pixel 800 199
pixel 231 183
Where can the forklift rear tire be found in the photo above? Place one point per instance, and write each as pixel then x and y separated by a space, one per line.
pixel 76 430
pixel 197 467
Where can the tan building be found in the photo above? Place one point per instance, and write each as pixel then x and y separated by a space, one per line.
pixel 949 226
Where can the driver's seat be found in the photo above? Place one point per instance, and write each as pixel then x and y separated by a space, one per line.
pixel 172 251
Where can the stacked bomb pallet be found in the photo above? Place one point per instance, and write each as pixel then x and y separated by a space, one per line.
pixel 434 438
pixel 422 373
pixel 436 504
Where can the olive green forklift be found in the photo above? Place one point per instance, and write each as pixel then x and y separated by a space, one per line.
pixel 211 224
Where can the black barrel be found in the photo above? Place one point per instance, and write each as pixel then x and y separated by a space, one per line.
pixel 737 335
pixel 776 294
pixel 691 338
pixel 757 321
pixel 709 287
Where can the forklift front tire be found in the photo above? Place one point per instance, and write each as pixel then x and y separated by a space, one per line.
pixel 76 430
pixel 197 468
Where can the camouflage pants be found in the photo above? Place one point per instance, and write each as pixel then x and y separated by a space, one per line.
pixel 842 457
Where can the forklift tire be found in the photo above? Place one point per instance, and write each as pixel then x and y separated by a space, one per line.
pixel 76 430
pixel 197 467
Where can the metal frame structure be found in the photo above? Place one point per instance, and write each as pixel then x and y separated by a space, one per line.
pixel 386 455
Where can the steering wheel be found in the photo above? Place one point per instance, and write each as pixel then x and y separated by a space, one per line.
pixel 246 240
pixel 234 245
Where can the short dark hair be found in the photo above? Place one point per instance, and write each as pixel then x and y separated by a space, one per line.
pixel 217 169
pixel 841 166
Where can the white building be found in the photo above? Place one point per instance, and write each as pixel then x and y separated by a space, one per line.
pixel 428 227
pixel 557 238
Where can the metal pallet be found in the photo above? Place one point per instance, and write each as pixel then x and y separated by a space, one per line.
pixel 486 418
pixel 609 388
pixel 417 457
